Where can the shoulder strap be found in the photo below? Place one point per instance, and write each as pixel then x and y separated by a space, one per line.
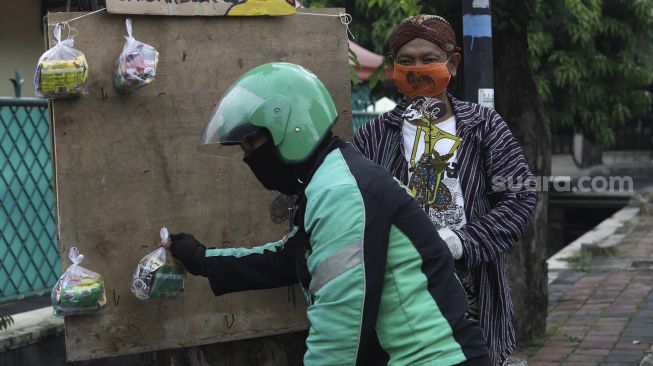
pixel 300 211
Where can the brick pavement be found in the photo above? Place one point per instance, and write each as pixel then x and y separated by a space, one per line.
pixel 601 312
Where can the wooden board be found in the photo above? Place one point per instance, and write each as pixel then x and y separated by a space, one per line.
pixel 127 165
pixel 202 7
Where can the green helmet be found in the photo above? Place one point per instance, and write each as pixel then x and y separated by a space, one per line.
pixel 286 99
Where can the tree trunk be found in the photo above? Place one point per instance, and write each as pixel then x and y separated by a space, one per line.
pixel 518 103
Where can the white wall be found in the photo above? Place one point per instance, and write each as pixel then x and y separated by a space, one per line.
pixel 21 43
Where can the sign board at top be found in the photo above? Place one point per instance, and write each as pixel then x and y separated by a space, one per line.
pixel 202 7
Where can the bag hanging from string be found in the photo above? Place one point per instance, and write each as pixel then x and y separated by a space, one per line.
pixel 79 290
pixel 136 65
pixel 62 70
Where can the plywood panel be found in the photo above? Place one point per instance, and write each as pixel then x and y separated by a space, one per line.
pixel 127 164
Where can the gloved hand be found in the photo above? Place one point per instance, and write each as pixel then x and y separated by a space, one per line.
pixel 453 242
pixel 183 239
pixel 189 251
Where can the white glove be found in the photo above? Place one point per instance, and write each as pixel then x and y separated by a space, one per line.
pixel 453 242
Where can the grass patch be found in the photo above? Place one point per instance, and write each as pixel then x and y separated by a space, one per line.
pixel 621 252
pixel 580 261
pixel 562 359
pixel 529 349
pixel 5 321
pixel 572 338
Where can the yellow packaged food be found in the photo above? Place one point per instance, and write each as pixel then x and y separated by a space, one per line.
pixel 61 71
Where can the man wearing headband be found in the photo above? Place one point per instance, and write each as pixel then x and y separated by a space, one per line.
pixel 453 156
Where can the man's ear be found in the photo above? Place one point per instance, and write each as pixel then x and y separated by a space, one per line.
pixel 453 63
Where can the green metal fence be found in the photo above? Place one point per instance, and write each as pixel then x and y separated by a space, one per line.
pixel 28 239
pixel 360 118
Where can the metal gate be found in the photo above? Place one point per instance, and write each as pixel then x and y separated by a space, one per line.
pixel 359 118
pixel 28 237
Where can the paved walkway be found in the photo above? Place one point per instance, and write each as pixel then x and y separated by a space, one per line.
pixel 601 309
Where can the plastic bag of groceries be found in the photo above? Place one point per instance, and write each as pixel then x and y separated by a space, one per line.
pixel 136 65
pixel 158 275
pixel 79 290
pixel 62 70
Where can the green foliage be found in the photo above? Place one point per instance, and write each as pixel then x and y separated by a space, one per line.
pixel 374 21
pixel 378 75
pixel 353 75
pixel 5 321
pixel 591 61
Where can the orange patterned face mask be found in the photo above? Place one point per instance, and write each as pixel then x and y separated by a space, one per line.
pixel 428 80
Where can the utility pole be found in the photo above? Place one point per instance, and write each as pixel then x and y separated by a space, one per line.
pixel 477 48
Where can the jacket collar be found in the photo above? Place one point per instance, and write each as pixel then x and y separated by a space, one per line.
pixel 320 154
pixel 466 117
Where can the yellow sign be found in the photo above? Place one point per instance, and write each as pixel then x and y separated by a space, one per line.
pixel 202 7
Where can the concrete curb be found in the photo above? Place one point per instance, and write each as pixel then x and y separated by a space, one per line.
pixel 604 235
pixel 30 327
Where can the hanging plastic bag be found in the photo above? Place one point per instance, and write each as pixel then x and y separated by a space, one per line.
pixel 79 290
pixel 136 65
pixel 158 275
pixel 62 70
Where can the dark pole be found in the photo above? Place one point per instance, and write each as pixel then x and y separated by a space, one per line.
pixel 477 48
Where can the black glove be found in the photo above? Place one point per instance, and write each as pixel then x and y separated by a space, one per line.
pixel 190 252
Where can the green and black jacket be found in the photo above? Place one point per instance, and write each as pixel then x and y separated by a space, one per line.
pixel 380 283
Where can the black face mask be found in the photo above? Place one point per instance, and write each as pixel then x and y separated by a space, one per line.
pixel 271 171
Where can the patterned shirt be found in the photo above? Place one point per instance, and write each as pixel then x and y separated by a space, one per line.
pixel 496 217
pixel 433 180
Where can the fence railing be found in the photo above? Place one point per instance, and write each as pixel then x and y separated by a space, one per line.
pixel 360 118
pixel 633 135
pixel 636 134
pixel 28 237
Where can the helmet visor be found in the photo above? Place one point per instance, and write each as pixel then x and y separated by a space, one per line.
pixel 230 123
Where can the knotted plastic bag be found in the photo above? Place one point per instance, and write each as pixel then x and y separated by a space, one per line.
pixel 136 65
pixel 158 275
pixel 79 290
pixel 62 70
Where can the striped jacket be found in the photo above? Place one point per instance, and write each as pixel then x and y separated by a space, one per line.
pixel 496 217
